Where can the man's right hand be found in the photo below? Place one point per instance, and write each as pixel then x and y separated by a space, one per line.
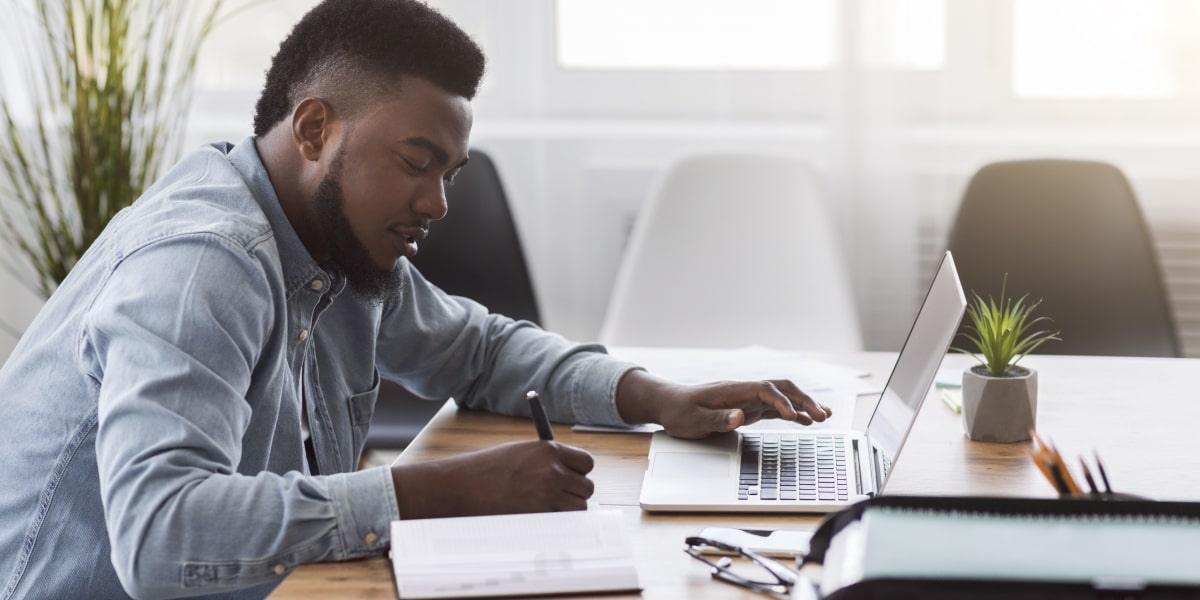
pixel 519 477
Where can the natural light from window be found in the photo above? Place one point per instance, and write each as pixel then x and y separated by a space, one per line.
pixel 766 35
pixel 906 34
pixel 1132 49
pixel 696 34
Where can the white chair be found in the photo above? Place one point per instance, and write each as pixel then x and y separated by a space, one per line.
pixel 732 251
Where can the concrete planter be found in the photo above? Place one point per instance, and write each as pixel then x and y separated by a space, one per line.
pixel 999 409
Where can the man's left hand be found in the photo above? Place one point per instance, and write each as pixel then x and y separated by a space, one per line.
pixel 695 411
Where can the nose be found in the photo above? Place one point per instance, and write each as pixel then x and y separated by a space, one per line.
pixel 432 204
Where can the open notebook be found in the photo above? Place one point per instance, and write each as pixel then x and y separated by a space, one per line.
pixel 513 555
pixel 810 471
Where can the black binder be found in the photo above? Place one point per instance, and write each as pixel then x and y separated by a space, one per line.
pixel 1155 545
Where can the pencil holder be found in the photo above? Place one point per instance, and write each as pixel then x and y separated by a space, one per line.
pixel 1106 497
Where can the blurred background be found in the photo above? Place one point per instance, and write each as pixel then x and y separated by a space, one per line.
pixel 894 104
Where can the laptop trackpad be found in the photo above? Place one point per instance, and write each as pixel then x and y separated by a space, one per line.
pixel 691 466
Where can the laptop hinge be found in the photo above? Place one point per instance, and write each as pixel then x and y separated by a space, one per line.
pixel 877 467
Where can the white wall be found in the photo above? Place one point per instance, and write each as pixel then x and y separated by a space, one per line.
pixel 578 161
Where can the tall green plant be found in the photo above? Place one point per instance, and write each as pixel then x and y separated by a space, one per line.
pixel 1000 331
pixel 110 85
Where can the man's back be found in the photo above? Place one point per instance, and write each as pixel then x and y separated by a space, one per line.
pixel 53 539
pixel 156 402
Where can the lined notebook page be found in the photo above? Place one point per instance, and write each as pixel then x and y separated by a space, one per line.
pixel 913 543
pixel 540 553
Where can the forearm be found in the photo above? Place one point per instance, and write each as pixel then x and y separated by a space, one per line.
pixel 488 362
pixel 640 395
pixel 417 490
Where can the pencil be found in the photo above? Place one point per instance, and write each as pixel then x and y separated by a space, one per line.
pixel 1040 465
pixel 1060 482
pixel 1066 473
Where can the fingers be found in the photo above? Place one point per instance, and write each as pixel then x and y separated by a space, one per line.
pixel 803 406
pixel 770 394
pixel 575 487
pixel 570 478
pixel 726 420
pixel 576 459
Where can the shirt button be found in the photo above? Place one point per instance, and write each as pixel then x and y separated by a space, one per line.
pixel 371 539
pixel 316 284
pixel 303 334
pixel 280 569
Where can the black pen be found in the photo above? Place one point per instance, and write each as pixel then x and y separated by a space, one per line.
pixel 1103 475
pixel 1087 473
pixel 539 416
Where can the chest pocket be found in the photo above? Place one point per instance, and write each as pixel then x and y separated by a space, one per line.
pixel 362 407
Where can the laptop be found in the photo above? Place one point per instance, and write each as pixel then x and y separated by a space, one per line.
pixel 791 470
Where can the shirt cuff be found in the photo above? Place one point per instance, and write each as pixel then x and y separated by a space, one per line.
pixel 365 506
pixel 594 378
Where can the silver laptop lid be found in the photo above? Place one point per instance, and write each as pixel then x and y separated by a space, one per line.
pixel 922 353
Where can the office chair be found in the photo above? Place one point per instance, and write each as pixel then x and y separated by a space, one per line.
pixel 474 252
pixel 1069 232
pixel 732 251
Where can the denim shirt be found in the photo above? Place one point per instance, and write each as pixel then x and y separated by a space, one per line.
pixel 150 424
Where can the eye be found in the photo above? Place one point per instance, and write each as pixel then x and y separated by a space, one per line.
pixel 450 177
pixel 418 168
pixel 414 166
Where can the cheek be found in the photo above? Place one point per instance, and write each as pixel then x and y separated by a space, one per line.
pixel 366 205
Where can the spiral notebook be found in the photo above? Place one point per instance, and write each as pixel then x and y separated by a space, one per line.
pixel 1024 546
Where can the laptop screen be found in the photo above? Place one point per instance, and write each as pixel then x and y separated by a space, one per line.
pixel 922 353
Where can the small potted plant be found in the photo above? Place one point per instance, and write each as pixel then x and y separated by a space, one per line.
pixel 1000 397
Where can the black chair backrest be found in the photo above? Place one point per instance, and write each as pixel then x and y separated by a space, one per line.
pixel 1071 233
pixel 475 251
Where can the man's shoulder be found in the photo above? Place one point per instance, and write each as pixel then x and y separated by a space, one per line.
pixel 201 195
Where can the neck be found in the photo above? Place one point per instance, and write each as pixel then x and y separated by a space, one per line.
pixel 295 184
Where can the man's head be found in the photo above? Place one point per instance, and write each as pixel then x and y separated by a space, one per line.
pixel 349 51
pixel 364 117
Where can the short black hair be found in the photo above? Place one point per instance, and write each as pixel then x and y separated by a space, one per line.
pixel 346 50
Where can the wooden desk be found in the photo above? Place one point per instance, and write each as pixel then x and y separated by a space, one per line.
pixel 1141 414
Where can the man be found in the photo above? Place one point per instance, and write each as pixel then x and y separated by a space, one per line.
pixel 185 414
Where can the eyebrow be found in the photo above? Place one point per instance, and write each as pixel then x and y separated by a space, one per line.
pixel 438 153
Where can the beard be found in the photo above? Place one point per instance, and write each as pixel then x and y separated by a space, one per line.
pixel 347 252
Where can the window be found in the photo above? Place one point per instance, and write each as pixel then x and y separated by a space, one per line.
pixel 696 34
pixel 747 59
pixel 780 35
pixel 1105 49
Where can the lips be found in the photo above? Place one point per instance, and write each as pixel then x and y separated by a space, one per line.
pixel 407 238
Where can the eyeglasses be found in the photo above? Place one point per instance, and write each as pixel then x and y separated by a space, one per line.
pixel 776 580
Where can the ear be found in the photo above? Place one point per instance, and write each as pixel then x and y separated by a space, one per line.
pixel 311 127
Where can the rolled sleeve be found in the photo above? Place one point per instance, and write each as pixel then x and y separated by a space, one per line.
pixel 591 381
pixel 365 505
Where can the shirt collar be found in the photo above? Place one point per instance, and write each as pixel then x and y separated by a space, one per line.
pixel 299 267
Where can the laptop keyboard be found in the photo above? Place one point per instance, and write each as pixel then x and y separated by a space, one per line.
pixel 783 466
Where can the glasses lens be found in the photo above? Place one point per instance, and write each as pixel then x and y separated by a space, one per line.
pixel 745 571
pixel 750 573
